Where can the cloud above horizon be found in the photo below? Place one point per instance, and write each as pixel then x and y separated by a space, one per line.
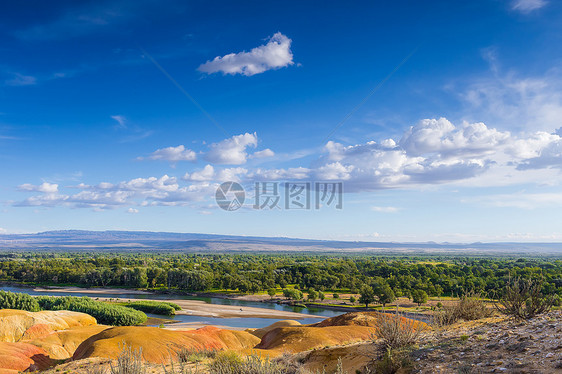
pixel 431 152
pixel 275 54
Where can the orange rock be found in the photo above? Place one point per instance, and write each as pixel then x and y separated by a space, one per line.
pixel 302 338
pixel 61 345
pixel 22 356
pixel 161 345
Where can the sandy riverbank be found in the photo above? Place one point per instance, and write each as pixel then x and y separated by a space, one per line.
pixel 106 291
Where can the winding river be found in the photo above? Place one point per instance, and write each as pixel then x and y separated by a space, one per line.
pixel 250 322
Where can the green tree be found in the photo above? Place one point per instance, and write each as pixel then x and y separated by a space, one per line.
pixel 367 295
pixel 312 294
pixel 271 292
pixel 419 297
pixel 385 295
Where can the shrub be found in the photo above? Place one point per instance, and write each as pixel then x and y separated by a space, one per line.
pixel 129 362
pixel 391 362
pixel 20 301
pixel 193 355
pixel 108 314
pixel 154 307
pixel 231 363
pixel 336 296
pixel 398 332
pixel 523 299
pixel 469 308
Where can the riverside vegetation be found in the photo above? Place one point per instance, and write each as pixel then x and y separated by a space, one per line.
pixel 377 279
pixel 127 314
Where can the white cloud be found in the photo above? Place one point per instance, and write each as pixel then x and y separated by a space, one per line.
pixel 231 151
pixel 207 174
pixel 442 137
pixel 173 154
pixel 121 121
pixel 280 174
pixel 139 191
pixel 263 154
pixel 3 231
pixel 273 55
pixel 21 80
pixel 132 210
pixel 526 6
pixel 517 103
pixel 44 187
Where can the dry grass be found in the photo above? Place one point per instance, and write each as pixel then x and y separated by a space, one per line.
pixel 129 362
pixel 398 332
pixel 194 355
pixel 469 308
pixel 231 363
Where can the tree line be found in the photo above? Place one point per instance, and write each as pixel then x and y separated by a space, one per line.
pixel 377 278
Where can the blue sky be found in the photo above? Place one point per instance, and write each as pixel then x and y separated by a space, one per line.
pixel 443 120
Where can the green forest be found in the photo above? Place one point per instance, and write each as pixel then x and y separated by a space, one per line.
pixel 252 273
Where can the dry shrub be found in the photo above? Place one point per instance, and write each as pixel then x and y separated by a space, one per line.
pixel 231 363
pixel 470 307
pixel 523 299
pixel 391 362
pixel 398 332
pixel 129 362
pixel 194 355
pixel 181 368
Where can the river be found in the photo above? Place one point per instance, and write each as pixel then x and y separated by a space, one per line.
pixel 250 322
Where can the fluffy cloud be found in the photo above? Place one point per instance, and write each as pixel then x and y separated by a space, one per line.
pixel 442 137
pixel 431 152
pixel 132 210
pixel 208 173
pixel 173 154
pixel 44 187
pixel 139 191
pixel 526 6
pixel 263 154
pixel 231 151
pixel 273 55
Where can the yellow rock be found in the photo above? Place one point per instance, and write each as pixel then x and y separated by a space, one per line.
pixel 17 325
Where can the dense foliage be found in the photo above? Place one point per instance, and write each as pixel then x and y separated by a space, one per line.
pixel 20 301
pixel 104 313
pixel 389 277
pixel 155 307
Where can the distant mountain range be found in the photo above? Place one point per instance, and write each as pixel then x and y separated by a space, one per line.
pixel 160 241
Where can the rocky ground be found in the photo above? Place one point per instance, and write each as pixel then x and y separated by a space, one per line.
pixel 495 345
pixel 75 344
